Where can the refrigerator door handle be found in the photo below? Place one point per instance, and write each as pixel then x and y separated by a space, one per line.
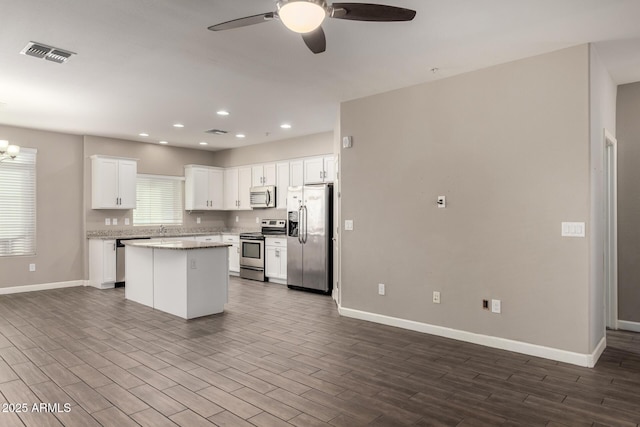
pixel 300 224
pixel 304 240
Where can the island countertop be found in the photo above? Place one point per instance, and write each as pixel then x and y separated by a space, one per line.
pixel 174 244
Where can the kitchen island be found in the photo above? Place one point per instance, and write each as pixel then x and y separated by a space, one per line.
pixel 185 278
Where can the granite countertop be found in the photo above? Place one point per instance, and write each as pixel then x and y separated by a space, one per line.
pixel 174 244
pixel 131 233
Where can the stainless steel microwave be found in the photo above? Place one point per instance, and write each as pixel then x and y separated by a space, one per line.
pixel 263 197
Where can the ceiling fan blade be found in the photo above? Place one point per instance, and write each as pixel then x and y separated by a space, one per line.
pixel 371 12
pixel 243 22
pixel 315 40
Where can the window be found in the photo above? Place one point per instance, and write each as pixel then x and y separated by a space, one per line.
pixel 159 200
pixel 18 204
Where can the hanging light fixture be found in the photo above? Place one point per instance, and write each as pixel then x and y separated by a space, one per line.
pixel 302 16
pixel 8 151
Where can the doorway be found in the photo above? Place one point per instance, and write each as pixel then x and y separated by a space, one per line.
pixel 611 230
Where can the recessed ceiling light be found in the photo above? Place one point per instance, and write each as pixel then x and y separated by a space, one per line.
pixel 204 143
pixel 223 113
pixel 240 135
pixel 285 126
pixel 178 125
pixel 163 142
pixel 143 134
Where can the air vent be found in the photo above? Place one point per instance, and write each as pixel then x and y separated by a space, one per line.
pixel 42 51
pixel 216 131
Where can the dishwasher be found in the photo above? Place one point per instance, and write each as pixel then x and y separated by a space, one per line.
pixel 120 260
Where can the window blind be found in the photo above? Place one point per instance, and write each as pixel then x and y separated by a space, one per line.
pixel 18 204
pixel 159 200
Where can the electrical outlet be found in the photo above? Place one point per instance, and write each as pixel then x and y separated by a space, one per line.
pixel 114 221
pixel 257 220
pixel 348 224
pixel 32 267
pixel 198 220
pixel 380 288
pixel 436 297
pixel 237 218
pixel 126 221
pixel 496 306
pixel 107 221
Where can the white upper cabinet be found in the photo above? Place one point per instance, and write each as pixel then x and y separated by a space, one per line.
pixel 113 182
pixel 296 173
pixel 282 184
pixel 204 188
pixel 263 175
pixel 237 185
pixel 319 169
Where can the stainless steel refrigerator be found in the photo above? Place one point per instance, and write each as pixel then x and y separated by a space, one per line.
pixel 309 238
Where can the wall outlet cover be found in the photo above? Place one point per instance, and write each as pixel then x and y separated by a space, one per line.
pixel 348 224
pixel 114 221
pixel 237 218
pixel 32 267
pixel 436 297
pixel 126 221
pixel 380 288
pixel 198 220
pixel 257 220
pixel 107 221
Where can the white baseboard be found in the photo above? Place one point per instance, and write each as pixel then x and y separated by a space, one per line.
pixel 41 287
pixel 580 359
pixel 629 326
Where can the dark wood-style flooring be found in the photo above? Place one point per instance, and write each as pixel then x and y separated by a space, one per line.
pixel 279 357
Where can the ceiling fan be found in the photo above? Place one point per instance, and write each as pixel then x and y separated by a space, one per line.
pixel 306 16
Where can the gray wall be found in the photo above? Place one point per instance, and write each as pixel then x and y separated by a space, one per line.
pixel 59 227
pixel 628 136
pixel 310 145
pixel 509 147
pixel 602 92
pixel 152 159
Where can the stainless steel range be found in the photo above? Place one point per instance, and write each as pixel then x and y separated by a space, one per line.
pixel 252 248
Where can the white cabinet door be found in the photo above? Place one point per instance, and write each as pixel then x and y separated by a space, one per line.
pixel 113 183
pixel 270 176
pixel 282 185
pixel 263 175
pixel 216 189
pixel 234 251
pixel 244 188
pixel 127 175
pixel 271 262
pixel 102 263
pixel 296 173
pixel 196 188
pixel 329 168
pixel 313 170
pixel 282 256
pixel 109 261
pixel 231 189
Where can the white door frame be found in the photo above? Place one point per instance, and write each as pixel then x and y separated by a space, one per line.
pixel 611 229
pixel 337 278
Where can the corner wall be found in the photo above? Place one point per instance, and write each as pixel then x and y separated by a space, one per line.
pixel 628 136
pixel 509 148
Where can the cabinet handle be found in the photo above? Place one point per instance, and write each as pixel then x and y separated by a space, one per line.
pixel 277 253
pixel 320 174
pixel 324 174
pixel 114 246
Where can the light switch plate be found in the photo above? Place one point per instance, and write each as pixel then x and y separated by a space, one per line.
pixel 348 224
pixel 114 221
pixel 198 220
pixel 32 267
pixel 126 221
pixel 496 306
pixel 380 288
pixel 257 220
pixel 237 218
pixel 107 221
pixel 436 297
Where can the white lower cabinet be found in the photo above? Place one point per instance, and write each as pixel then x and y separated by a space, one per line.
pixel 275 269
pixel 102 263
pixel 234 253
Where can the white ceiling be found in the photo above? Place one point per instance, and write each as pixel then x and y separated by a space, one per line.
pixel 142 65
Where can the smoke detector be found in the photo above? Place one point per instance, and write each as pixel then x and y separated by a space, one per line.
pixel 43 51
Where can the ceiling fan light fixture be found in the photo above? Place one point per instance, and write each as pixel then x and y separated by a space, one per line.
pixel 302 16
